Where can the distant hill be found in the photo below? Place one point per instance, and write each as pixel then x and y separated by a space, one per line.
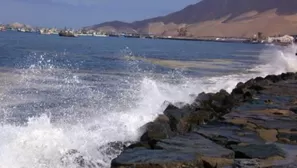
pixel 223 18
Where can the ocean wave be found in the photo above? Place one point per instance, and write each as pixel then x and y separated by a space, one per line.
pixel 91 120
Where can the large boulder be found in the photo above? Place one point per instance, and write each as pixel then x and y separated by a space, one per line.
pixel 154 131
pixel 183 120
pixel 222 102
pixel 219 103
pixel 176 117
pixel 273 78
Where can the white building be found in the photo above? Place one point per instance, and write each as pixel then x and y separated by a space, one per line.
pixel 284 39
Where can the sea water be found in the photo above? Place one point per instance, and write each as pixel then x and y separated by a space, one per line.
pixel 58 94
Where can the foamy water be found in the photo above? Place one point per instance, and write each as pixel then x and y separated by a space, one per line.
pixel 42 141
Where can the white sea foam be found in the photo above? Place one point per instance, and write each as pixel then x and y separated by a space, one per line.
pixel 41 143
pixel 277 60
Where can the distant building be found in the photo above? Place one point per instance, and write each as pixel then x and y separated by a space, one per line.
pixel 286 39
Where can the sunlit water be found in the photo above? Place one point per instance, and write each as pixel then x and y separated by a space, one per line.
pixel 59 94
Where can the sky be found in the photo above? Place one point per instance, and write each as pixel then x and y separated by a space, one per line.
pixel 79 13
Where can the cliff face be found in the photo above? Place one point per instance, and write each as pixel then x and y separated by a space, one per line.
pixel 239 18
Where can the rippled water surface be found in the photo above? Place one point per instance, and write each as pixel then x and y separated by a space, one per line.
pixel 59 94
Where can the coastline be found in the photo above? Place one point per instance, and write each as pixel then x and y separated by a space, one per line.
pixel 254 125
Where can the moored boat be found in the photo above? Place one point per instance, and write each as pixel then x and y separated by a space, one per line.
pixel 66 34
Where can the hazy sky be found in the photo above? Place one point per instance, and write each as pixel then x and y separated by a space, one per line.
pixel 78 13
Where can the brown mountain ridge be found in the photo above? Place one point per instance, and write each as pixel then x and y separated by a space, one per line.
pixel 219 18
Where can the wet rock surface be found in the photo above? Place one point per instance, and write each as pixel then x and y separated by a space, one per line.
pixel 140 157
pixel 253 126
pixel 190 142
pixel 75 158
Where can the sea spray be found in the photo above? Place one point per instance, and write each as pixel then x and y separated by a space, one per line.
pixel 276 60
pixel 83 123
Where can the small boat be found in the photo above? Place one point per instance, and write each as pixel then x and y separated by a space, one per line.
pixel 99 35
pixel 64 33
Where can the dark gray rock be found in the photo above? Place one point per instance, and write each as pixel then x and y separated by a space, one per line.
pixel 155 158
pixel 292 136
pixel 273 78
pixel 256 87
pixel 265 115
pixel 294 109
pixel 288 76
pixel 249 83
pixel 173 143
pixel 227 134
pixel 221 102
pixel 159 129
pixel 182 120
pixel 289 165
pixel 176 116
pixel 203 97
pixel 258 151
pixel 195 143
pixel 273 122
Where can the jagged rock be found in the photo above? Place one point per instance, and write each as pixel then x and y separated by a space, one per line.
pixel 238 91
pixel 195 143
pixel 179 151
pixel 176 116
pixel 222 102
pixel 259 79
pixel 258 115
pixel 249 83
pixel 260 151
pixel 227 134
pixel 144 158
pixel 148 145
pixel 294 109
pixel 283 76
pixel 203 97
pixel 289 135
pixel 185 119
pixel 74 157
pixel 242 95
pixel 273 78
pixel 247 123
pixel 159 129
pixel 262 82
pixel 256 87
pixel 113 148
pixel 287 76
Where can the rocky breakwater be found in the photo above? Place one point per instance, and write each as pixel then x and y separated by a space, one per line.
pixel 253 126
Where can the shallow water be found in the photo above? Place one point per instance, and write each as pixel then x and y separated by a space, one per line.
pixel 81 93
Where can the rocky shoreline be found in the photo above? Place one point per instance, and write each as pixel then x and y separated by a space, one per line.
pixel 253 126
